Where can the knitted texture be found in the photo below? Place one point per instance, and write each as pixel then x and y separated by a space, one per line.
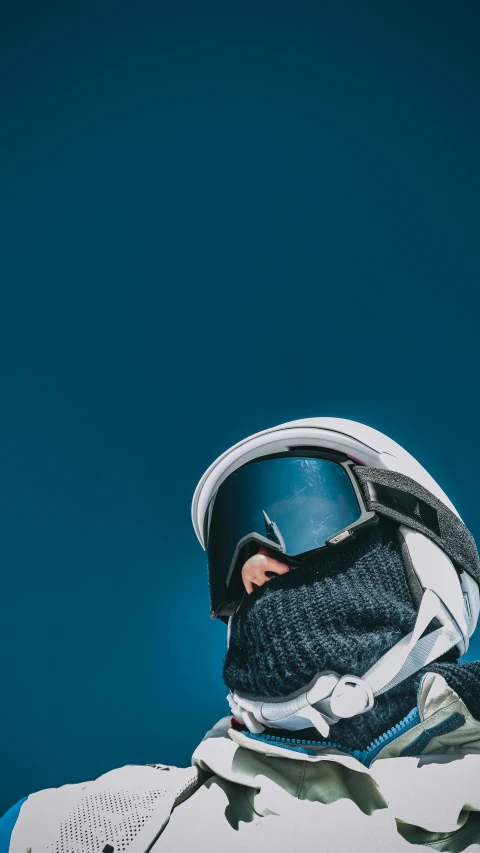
pixel 342 612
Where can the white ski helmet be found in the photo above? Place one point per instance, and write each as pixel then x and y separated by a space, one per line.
pixel 438 551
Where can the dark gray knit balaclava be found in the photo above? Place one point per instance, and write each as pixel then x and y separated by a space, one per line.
pixel 341 612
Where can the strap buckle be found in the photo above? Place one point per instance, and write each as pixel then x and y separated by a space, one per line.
pixel 351 695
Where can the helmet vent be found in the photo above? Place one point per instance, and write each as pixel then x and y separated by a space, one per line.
pixel 325 453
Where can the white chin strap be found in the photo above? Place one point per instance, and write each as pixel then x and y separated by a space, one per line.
pixel 331 697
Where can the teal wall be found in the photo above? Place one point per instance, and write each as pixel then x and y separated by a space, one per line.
pixel 215 217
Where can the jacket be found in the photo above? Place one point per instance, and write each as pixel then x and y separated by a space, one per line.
pixel 418 784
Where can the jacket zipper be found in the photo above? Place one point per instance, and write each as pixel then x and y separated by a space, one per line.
pixel 366 756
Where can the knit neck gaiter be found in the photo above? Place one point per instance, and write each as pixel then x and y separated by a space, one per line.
pixel 342 613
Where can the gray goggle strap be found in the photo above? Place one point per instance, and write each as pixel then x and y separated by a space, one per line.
pixel 407 502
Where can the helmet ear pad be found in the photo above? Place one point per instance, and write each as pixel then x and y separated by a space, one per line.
pixel 427 566
pixel 414 584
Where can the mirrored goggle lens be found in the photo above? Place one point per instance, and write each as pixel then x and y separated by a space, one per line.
pixel 296 503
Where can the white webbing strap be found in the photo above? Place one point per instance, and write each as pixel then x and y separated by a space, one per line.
pixel 296 713
pixel 414 651
pixel 330 697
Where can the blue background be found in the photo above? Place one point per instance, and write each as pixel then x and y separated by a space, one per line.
pixel 215 217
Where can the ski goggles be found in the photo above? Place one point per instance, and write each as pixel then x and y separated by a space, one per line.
pixel 290 505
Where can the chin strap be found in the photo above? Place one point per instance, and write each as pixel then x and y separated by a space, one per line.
pixel 330 697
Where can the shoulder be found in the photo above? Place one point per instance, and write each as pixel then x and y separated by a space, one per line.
pixel 133 801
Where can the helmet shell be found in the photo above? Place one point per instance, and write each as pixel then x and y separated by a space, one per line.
pixel 366 446
pixel 361 443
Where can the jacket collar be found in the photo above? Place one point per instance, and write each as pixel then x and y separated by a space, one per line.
pixel 440 725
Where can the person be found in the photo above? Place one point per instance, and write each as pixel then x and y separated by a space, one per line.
pixel 350 589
